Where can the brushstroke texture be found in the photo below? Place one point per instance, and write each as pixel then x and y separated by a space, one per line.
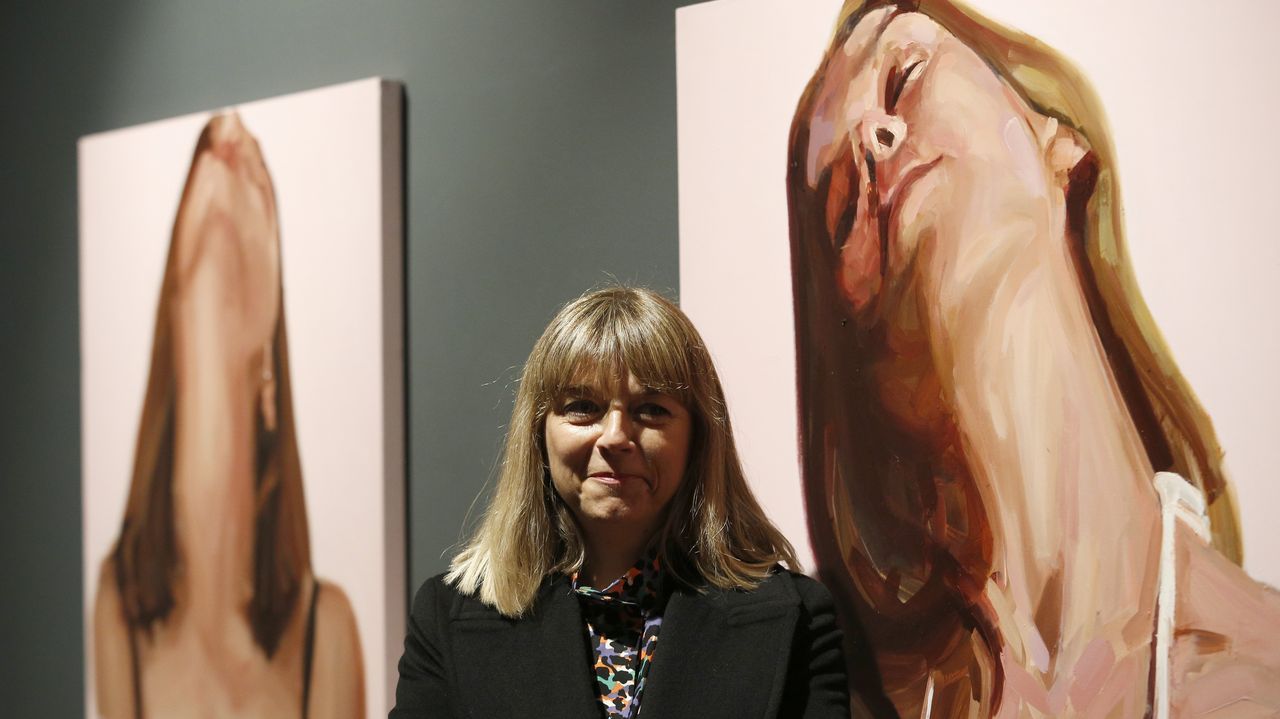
pixel 984 398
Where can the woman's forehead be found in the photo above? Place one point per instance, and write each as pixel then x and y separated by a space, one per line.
pixel 889 28
pixel 612 376
pixel 862 40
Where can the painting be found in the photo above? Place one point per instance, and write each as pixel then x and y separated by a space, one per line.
pixel 241 323
pixel 1016 425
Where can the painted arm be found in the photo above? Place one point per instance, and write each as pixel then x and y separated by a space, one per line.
pixel 1226 636
pixel 112 663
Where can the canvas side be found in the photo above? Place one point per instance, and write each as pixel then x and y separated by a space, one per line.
pixel 395 561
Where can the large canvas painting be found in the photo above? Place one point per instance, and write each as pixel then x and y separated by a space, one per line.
pixel 993 304
pixel 243 454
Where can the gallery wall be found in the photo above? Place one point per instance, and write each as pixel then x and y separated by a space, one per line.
pixel 540 161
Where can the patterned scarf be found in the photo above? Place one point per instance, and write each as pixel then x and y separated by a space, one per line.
pixel 623 621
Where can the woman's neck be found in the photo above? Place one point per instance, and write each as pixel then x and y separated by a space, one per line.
pixel 610 552
pixel 1063 474
pixel 213 469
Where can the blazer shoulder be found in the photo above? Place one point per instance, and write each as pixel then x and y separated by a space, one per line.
pixel 786 588
pixel 440 601
pixel 784 584
pixel 432 599
pixel 812 593
pixel 779 589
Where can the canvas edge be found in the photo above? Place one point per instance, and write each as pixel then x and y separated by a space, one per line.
pixel 86 609
pixel 391 117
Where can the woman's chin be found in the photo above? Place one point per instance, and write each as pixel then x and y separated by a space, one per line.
pixel 612 509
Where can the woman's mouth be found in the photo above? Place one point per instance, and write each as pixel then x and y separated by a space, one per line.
pixel 887 202
pixel 909 175
pixel 617 479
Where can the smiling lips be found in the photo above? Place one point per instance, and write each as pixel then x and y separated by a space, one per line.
pixel 886 198
pixel 906 177
pixel 617 478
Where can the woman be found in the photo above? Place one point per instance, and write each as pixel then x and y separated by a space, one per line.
pixel 984 397
pixel 622 565
pixel 207 604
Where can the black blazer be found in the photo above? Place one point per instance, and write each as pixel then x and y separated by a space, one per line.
pixel 772 652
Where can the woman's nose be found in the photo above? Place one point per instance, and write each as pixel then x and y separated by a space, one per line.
pixel 616 432
pixel 226 130
pixel 881 134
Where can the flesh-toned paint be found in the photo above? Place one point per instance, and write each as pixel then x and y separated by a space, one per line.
pixel 983 405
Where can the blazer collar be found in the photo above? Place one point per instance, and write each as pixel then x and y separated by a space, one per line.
pixel 723 653
pixel 525 667
pixel 720 653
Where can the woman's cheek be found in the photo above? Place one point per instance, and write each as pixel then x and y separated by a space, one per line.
pixel 871 264
pixel 944 112
pixel 860 262
pixel 921 210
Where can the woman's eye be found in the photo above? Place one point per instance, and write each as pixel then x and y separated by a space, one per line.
pixel 580 408
pixel 896 83
pixel 652 411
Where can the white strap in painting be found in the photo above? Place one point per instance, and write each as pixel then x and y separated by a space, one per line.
pixel 1180 501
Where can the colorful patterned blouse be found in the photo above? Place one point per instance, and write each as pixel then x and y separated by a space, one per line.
pixel 623 621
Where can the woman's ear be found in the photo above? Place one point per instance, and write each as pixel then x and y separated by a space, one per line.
pixel 1061 146
pixel 267 390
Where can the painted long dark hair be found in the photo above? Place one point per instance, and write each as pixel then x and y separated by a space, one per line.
pixel 146 557
pixel 898 527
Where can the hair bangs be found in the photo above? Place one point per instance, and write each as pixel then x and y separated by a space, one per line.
pixel 599 343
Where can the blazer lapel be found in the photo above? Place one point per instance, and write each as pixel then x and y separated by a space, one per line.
pixel 723 653
pixel 535 666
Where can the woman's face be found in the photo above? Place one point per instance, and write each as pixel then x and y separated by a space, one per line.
pixel 922 138
pixel 617 453
pixel 227 240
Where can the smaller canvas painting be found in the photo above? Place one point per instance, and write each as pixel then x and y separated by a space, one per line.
pixel 242 474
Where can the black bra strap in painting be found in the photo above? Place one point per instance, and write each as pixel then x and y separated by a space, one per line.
pixel 133 640
pixel 137 675
pixel 308 648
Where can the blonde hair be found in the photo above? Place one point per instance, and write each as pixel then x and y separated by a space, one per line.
pixel 715 532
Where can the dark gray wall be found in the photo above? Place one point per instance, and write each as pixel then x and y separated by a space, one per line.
pixel 541 158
